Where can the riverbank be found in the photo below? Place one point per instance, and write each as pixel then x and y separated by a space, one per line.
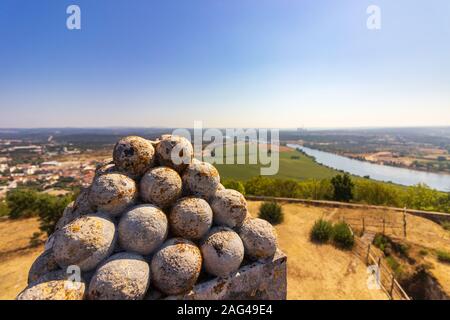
pixel 396 175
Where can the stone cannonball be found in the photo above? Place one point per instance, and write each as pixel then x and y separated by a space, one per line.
pixel 134 155
pixel 123 276
pixel 176 266
pixel 43 264
pixel 161 186
pixel 85 242
pixel 142 229
pixel 175 152
pixel 68 216
pixel 191 218
pixel 106 167
pixel 54 286
pixel 112 193
pixel 259 238
pixel 229 207
pixel 201 179
pixel 222 251
pixel 75 209
pixel 81 205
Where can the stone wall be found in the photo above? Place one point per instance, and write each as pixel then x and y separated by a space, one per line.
pixel 437 217
pixel 263 280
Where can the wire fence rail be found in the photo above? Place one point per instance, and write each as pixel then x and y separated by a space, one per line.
pixel 395 227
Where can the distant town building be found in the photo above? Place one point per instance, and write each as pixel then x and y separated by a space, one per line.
pixel 51 164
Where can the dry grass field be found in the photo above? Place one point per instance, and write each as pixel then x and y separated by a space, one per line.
pixel 314 271
pixel 16 255
pixel 318 271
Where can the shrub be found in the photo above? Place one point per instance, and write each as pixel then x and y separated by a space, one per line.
pixel 446 225
pixel 272 212
pixel 443 256
pixel 343 236
pixel 235 185
pixel 403 249
pixel 381 242
pixel 395 266
pixel 322 231
pixel 4 210
pixel 315 189
pixel 371 192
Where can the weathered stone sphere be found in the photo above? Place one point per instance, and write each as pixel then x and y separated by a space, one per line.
pixel 161 186
pixel 175 152
pixel 134 155
pixel 75 209
pixel 68 216
pixel 229 207
pixel 123 276
pixel 85 242
pixel 81 205
pixel 106 167
pixel 259 238
pixel 201 179
pixel 191 218
pixel 112 193
pixel 143 229
pixel 222 251
pixel 54 286
pixel 176 266
pixel 43 264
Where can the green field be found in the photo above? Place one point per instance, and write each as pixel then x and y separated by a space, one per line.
pixel 293 165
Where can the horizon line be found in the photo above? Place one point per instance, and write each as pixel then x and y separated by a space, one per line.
pixel 300 128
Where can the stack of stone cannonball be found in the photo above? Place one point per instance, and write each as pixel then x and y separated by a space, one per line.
pixel 149 223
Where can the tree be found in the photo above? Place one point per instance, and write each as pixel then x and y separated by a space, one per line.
pixel 50 209
pixel 22 203
pixel 343 187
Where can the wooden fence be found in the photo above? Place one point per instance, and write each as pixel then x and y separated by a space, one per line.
pixel 372 256
pixel 393 227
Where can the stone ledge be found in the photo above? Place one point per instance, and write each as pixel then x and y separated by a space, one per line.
pixel 261 280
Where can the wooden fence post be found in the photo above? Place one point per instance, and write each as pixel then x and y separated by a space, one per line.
pixel 392 287
pixel 364 225
pixel 368 253
pixel 384 226
pixel 404 222
pixel 379 266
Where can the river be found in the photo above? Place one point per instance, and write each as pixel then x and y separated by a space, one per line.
pixel 401 176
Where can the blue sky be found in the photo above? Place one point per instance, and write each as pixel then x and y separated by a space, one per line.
pixel 235 63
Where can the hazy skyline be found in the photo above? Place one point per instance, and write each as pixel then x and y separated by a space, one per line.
pixel 228 63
